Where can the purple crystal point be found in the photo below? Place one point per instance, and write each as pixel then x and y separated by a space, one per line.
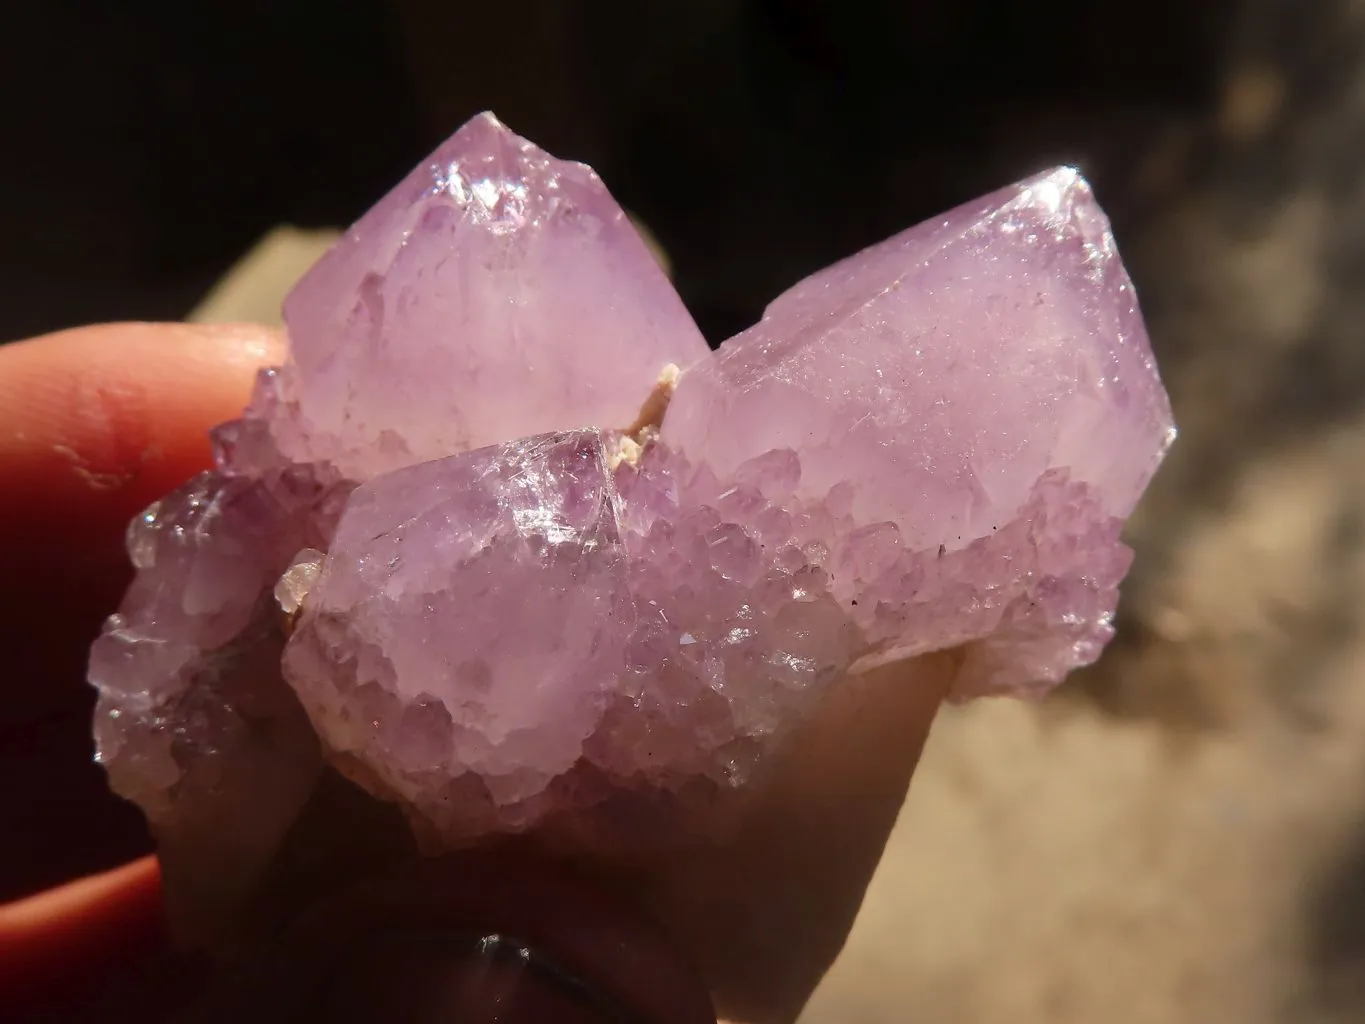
pixel 966 382
pixel 462 310
pixel 945 370
pixel 194 721
pixel 463 548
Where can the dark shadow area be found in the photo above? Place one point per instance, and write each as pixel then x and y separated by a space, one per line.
pixel 760 140
pixel 147 145
pixel 1337 933
pixel 763 140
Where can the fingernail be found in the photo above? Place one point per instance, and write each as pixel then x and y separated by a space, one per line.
pixel 422 976
pixel 465 939
pixel 439 977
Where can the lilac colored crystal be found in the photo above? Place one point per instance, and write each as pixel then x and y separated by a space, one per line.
pixel 483 624
pixel 944 371
pixel 984 385
pixel 464 604
pixel 460 310
pixel 458 549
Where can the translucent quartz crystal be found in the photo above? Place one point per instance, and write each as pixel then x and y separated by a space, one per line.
pixel 460 311
pixel 458 550
pixel 466 604
pixel 980 388
pixel 484 623
pixel 944 371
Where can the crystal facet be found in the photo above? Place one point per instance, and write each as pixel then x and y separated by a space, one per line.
pixel 944 371
pixel 984 384
pixel 466 549
pixel 469 619
pixel 460 310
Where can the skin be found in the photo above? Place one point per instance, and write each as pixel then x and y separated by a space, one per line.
pixel 96 423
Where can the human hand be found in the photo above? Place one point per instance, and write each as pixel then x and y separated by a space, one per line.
pixel 97 423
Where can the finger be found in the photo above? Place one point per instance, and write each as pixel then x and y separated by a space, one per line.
pixel 99 421
pixel 95 423
pixel 67 938
pixel 765 914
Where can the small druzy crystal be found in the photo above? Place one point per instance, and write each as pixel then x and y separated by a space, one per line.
pixel 504 545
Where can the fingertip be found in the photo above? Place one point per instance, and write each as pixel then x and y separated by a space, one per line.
pixel 70 936
pixel 116 414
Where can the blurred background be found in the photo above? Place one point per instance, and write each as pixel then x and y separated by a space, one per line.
pixel 1177 835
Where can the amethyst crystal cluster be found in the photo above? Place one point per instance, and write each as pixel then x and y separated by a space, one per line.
pixel 503 540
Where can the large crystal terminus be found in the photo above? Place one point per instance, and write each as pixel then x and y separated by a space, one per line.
pixel 506 546
pixel 459 312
